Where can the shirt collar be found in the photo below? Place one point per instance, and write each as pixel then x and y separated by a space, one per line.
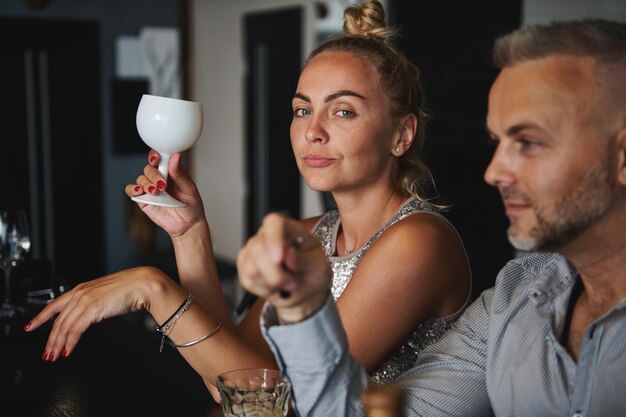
pixel 555 277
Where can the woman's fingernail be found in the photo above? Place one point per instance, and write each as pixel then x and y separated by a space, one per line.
pixel 51 357
pixel 64 353
pixel 137 188
pixel 44 356
pixel 27 325
pixel 161 185
pixel 151 189
pixel 152 158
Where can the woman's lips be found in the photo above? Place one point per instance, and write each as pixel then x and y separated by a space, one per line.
pixel 317 161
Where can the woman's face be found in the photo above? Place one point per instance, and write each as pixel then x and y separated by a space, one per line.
pixel 342 135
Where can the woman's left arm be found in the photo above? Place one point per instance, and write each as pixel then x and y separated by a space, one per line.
pixel 416 270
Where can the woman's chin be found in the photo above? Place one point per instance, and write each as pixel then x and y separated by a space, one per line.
pixel 318 186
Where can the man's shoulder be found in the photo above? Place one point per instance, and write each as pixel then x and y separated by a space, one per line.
pixel 529 264
pixel 522 272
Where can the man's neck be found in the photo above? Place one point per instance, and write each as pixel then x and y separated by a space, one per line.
pixel 599 254
pixel 602 269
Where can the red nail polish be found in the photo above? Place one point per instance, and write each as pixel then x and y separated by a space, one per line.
pixel 27 325
pixel 137 188
pixel 151 189
pixel 51 357
pixel 152 158
pixel 44 356
pixel 161 185
pixel 64 353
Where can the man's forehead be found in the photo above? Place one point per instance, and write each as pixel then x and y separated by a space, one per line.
pixel 542 85
pixel 562 72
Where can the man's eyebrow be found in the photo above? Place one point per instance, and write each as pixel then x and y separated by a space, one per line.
pixel 513 130
pixel 331 97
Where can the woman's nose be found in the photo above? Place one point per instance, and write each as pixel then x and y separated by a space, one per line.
pixel 316 132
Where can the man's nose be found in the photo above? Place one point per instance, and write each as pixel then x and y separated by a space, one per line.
pixel 499 172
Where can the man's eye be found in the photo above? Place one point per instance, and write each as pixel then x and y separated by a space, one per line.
pixel 301 112
pixel 528 144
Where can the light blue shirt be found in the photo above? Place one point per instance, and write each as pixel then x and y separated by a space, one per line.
pixel 502 357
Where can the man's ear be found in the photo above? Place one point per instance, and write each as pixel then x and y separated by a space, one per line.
pixel 407 127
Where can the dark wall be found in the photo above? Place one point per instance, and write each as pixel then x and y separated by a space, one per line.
pixel 113 18
pixel 50 106
pixel 451 42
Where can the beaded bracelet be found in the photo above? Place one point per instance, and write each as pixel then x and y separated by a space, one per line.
pixel 206 336
pixel 167 327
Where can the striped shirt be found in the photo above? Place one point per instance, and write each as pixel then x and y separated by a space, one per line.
pixel 502 357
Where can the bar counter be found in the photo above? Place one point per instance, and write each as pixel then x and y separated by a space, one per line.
pixel 116 370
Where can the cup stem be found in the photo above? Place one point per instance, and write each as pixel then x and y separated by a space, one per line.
pixel 165 160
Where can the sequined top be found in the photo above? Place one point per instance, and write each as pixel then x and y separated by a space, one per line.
pixel 343 267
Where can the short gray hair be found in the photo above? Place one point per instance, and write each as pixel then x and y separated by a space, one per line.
pixel 604 40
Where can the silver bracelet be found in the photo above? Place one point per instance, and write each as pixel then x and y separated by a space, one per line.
pixel 167 327
pixel 206 336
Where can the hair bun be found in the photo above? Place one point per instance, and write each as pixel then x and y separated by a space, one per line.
pixel 366 19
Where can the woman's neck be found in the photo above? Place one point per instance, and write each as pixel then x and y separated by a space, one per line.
pixel 362 216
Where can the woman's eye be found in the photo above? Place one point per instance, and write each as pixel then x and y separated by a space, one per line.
pixel 301 112
pixel 345 113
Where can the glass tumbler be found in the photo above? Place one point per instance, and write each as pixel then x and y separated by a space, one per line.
pixel 253 392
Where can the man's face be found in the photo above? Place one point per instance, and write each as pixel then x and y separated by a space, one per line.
pixel 551 163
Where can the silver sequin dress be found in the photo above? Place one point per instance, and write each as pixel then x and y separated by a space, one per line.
pixel 426 332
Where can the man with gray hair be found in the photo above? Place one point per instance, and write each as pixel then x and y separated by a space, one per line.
pixel 549 339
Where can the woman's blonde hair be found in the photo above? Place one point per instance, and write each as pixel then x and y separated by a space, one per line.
pixel 365 35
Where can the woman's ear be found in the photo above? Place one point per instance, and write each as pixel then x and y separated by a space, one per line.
pixel 407 128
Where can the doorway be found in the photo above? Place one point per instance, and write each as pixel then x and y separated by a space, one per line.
pixel 273 53
pixel 51 141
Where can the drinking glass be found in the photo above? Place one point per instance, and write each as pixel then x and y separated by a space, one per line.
pixel 167 125
pixel 256 392
pixel 14 246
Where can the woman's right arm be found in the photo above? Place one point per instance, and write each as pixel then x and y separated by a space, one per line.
pixel 189 231
pixel 150 289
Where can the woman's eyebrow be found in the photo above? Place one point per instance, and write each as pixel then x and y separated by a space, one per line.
pixel 302 97
pixel 332 96
pixel 342 93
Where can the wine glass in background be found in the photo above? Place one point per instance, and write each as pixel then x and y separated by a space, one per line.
pixel 167 125
pixel 14 246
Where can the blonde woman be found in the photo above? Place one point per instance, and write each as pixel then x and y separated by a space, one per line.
pixel 401 276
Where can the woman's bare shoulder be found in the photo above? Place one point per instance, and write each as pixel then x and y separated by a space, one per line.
pixel 422 249
pixel 424 229
pixel 309 223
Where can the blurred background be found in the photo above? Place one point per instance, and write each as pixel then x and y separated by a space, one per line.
pixel 74 72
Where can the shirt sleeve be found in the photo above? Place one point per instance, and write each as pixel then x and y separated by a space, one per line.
pixel 313 355
pixel 448 379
